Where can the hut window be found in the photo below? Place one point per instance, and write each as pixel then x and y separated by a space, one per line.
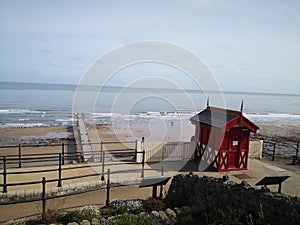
pixel 235 143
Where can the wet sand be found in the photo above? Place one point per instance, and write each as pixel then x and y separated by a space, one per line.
pixel 30 138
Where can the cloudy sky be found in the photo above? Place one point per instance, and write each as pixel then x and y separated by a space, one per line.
pixel 248 45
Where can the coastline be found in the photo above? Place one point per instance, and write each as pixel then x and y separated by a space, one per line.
pixel 287 135
pixel 58 134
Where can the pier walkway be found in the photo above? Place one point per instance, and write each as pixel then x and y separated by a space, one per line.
pixel 87 139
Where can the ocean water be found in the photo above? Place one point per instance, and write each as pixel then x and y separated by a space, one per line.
pixel 30 105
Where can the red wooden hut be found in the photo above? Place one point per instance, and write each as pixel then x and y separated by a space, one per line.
pixel 222 138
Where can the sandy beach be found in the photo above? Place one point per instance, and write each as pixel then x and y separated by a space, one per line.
pixel 35 136
pixel 59 134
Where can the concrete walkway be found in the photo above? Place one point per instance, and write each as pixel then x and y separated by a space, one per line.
pixel 85 143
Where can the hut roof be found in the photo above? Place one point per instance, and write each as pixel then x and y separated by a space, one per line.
pixel 223 118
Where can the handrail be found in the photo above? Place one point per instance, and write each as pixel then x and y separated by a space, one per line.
pixel 60 169
pixel 66 144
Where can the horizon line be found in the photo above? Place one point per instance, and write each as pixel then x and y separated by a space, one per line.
pixel 73 87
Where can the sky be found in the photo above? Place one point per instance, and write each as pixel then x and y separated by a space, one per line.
pixel 248 45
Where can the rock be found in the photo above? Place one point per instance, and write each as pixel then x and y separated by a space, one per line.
pixel 225 178
pixel 162 215
pixel 206 193
pixel 95 221
pixel 85 222
pixel 73 223
pixel 185 209
pixel 170 213
pixel 177 211
pixel 145 214
pixel 196 209
pixel 155 214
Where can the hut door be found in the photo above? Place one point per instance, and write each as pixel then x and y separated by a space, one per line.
pixel 233 158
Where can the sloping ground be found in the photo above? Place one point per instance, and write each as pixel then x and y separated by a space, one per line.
pixel 214 200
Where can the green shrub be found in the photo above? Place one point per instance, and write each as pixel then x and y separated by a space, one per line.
pixel 107 211
pixel 24 221
pixel 84 213
pixel 127 206
pixel 130 219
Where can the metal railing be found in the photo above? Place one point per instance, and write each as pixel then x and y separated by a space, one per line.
pixel 43 197
pixel 279 149
pixel 103 163
pixel 39 159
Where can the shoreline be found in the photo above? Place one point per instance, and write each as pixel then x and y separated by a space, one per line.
pixel 30 139
pixel 287 136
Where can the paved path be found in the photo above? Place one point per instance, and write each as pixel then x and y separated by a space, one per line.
pixel 257 170
pixel 85 142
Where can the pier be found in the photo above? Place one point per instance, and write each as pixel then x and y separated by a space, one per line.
pixel 88 139
pixel 84 141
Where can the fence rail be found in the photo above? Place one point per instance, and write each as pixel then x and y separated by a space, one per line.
pixel 279 149
pixel 43 198
pixel 22 159
pixel 104 163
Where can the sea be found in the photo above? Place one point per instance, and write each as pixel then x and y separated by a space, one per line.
pixel 38 105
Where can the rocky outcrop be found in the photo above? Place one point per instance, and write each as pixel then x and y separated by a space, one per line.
pixel 211 199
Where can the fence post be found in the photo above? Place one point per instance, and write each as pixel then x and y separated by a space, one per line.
pixel 44 198
pixel 273 155
pixel 108 187
pixel 297 150
pixel 103 163
pixel 143 164
pixel 4 175
pixel 101 150
pixel 161 186
pixel 135 150
pixel 20 156
pixel 59 171
pixel 63 153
